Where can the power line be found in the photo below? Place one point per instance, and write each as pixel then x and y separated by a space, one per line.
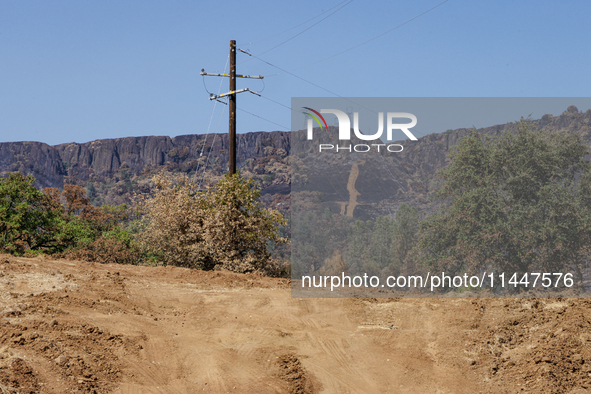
pixel 330 57
pixel 291 38
pixel 277 102
pixel 308 28
pixel 337 54
pixel 296 26
pixel 312 83
pixel 260 117
pixel 298 77
pixel 210 119
pixel 371 39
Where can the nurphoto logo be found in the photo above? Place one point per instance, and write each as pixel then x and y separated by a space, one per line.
pixel 345 130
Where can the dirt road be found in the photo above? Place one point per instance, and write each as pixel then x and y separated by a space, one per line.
pixel 81 327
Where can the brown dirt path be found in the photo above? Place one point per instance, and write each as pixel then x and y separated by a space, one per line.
pixel 82 327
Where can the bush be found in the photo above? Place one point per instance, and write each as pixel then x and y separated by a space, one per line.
pixel 221 227
pixel 516 203
pixel 28 217
pixel 34 222
pixel 108 249
pixel 74 233
pixel 80 224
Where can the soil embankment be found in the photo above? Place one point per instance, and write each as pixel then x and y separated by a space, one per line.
pixel 79 327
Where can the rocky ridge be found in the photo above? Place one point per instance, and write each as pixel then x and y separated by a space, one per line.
pixel 126 164
pixel 52 164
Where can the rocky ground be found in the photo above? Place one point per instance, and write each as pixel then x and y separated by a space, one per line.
pixel 68 326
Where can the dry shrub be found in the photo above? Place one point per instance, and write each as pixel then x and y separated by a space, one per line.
pixel 107 251
pixel 221 227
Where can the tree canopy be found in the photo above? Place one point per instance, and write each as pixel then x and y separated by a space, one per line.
pixel 27 216
pixel 519 202
pixel 221 227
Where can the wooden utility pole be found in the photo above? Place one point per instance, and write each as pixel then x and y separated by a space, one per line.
pixel 232 100
pixel 232 110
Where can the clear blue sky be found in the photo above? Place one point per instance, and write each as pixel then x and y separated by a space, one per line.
pixel 76 71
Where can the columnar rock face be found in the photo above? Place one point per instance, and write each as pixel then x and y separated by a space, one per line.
pixel 415 168
pixel 35 158
pixel 49 164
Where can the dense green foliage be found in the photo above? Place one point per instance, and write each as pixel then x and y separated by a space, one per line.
pixel 381 247
pixel 64 222
pixel 516 203
pixel 223 227
pixel 375 247
pixel 28 219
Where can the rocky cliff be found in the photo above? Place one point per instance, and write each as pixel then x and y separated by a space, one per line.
pixel 113 169
pixel 52 164
pixel 365 186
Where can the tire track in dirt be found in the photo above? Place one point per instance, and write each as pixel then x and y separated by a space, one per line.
pixel 174 330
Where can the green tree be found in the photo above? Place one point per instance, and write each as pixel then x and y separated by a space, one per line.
pixel 61 222
pixel 27 216
pixel 516 203
pixel 357 256
pixel 404 232
pixel 381 247
pixel 91 192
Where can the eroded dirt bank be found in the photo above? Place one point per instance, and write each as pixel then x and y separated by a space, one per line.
pixel 79 327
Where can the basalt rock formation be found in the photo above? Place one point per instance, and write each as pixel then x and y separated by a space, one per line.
pixel 125 164
pixel 52 164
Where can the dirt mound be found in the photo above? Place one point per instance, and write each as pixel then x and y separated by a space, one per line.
pixel 81 327
pixel 77 357
pixel 17 376
pixel 540 345
pixel 296 376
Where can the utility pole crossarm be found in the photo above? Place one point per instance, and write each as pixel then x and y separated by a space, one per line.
pixel 215 97
pixel 228 75
pixel 231 94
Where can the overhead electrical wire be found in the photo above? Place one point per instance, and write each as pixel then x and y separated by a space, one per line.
pixel 367 41
pixel 330 57
pixel 296 26
pixel 306 29
pixel 260 117
pixel 303 31
pixel 311 83
pixel 277 102
pixel 209 125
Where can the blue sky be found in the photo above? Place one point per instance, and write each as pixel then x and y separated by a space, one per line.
pixel 76 71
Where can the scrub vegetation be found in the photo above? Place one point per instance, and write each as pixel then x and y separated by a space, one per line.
pixel 223 226
pixel 518 202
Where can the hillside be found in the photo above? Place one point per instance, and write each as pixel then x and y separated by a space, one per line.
pixel 111 170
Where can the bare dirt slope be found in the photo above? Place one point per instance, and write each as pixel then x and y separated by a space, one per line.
pixel 79 327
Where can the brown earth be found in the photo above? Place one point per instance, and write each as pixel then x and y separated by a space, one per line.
pixel 70 326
